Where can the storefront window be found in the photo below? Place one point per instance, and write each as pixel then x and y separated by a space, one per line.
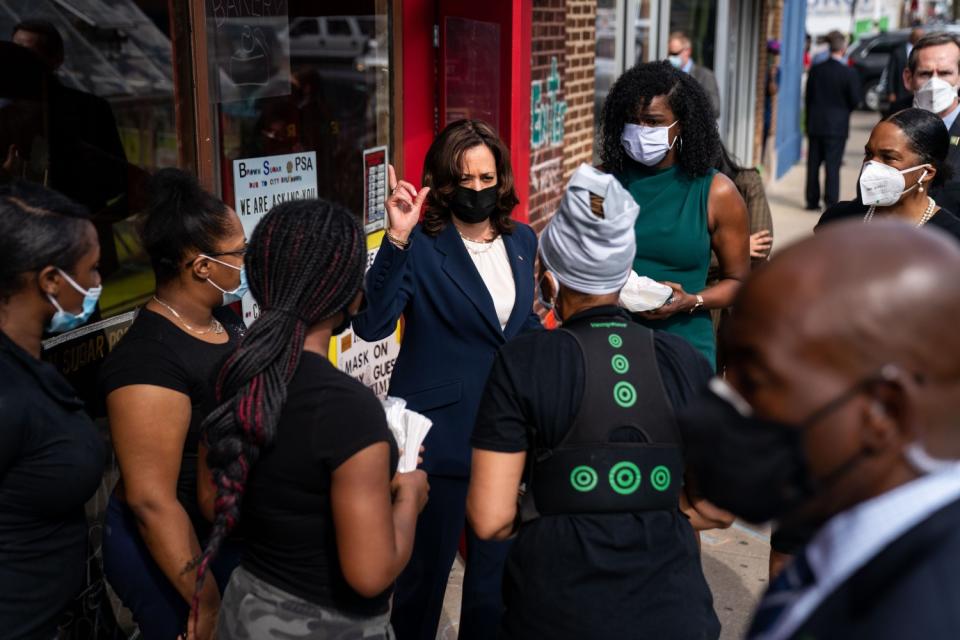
pixel 302 103
pixel 92 123
pixel 698 19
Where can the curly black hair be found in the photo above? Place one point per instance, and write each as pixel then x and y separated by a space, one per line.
pixel 699 139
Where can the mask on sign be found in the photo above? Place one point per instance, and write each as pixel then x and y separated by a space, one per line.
pixel 935 95
pixel 64 320
pixel 647 145
pixel 236 295
pixel 883 185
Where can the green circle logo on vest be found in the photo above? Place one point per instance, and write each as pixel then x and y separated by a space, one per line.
pixel 624 478
pixel 583 478
pixel 615 341
pixel 660 478
pixel 624 394
pixel 620 363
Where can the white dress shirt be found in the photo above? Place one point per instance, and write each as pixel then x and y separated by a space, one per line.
pixel 491 261
pixel 951 117
pixel 850 539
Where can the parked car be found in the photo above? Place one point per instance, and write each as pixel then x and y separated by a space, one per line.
pixel 343 37
pixel 869 56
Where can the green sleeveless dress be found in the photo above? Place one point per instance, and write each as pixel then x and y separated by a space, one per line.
pixel 673 243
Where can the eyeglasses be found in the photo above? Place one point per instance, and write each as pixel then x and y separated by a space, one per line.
pixel 239 253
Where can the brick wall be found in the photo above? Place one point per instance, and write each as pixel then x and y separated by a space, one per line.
pixel 548 43
pixel 562 63
pixel 579 85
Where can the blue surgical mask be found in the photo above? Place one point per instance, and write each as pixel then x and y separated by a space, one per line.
pixel 64 320
pixel 675 61
pixel 237 294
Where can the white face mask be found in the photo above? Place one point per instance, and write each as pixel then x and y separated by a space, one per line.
pixel 935 95
pixel 883 185
pixel 647 145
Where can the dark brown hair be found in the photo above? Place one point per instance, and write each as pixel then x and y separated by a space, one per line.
pixel 442 170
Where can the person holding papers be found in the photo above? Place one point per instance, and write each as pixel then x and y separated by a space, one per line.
pixel 463 279
pixel 300 452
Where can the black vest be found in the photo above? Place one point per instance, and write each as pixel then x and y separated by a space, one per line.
pixel 622 454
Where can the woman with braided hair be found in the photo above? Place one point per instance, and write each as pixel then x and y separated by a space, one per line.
pixel 300 452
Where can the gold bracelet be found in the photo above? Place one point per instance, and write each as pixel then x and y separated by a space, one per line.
pixel 397 242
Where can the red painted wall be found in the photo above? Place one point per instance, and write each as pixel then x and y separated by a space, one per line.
pixel 421 86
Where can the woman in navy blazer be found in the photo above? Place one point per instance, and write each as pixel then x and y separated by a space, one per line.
pixel 464 281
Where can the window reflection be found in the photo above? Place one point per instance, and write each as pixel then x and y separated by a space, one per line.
pixel 337 104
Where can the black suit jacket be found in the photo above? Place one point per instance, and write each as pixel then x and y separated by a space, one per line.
pixel 893 74
pixel 910 590
pixel 947 195
pixel 833 91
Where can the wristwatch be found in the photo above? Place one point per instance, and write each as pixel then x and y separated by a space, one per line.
pixel 698 305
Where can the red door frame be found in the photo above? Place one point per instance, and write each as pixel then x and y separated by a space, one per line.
pixel 420 86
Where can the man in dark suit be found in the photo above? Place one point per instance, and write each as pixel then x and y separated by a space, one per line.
pixel 833 91
pixel 680 55
pixel 839 420
pixel 938 56
pixel 891 85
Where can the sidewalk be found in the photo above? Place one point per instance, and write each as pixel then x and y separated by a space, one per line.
pixel 786 196
pixel 735 559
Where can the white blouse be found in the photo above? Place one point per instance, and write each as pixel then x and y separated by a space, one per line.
pixel 491 261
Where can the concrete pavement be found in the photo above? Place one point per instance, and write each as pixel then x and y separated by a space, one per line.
pixel 735 559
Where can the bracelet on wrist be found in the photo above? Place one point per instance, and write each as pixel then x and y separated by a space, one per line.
pixel 697 305
pixel 397 242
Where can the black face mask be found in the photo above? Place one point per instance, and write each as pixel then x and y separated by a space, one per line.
pixel 474 206
pixel 754 467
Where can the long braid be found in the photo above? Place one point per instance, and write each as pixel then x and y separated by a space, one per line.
pixel 304 265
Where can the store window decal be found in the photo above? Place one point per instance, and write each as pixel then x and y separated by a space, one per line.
pixel 547 113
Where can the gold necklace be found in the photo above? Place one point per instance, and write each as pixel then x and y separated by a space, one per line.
pixel 215 325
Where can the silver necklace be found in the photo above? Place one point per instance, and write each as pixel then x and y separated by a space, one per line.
pixel 924 219
pixel 215 325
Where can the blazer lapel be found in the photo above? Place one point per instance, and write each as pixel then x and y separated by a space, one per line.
pixel 523 285
pixel 458 265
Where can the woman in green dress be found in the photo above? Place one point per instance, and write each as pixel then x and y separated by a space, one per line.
pixel 660 139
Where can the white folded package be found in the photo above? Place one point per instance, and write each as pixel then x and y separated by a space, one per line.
pixel 643 294
pixel 409 428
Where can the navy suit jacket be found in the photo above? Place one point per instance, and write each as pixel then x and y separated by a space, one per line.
pixel 833 91
pixel 910 590
pixel 451 331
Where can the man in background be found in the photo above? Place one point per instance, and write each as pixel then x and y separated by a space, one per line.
pixel 838 419
pixel 833 92
pixel 891 85
pixel 932 76
pixel 680 51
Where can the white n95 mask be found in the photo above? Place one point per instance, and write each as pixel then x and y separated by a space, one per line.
pixel 883 185
pixel 935 95
pixel 647 145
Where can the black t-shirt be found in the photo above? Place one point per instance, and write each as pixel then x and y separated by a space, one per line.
pixel 287 520
pixel 156 352
pixel 855 210
pixel 51 462
pixel 631 575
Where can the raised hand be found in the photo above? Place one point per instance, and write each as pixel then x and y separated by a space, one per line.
pixel 403 205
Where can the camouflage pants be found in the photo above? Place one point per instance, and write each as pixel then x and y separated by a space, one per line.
pixel 256 610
